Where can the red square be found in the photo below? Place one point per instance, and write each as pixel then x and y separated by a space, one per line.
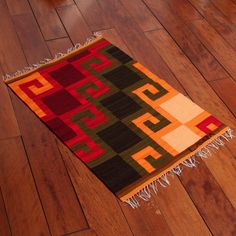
pixel 61 102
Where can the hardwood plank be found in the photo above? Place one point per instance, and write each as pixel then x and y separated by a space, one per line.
pixel 145 20
pixel 18 7
pixel 4 223
pixel 62 3
pixel 59 45
pixel 8 124
pixel 166 11
pixel 74 23
pixel 203 60
pixel 216 45
pixel 10 49
pixel 216 210
pixel 93 14
pixel 184 70
pixel 147 219
pixel 226 90
pixel 217 20
pixel 59 200
pixel 48 19
pixel 134 37
pixel 88 232
pixel 157 207
pixel 228 8
pixel 31 38
pixel 22 203
pixel 102 212
pixel 184 9
pixel 223 164
pixel 178 208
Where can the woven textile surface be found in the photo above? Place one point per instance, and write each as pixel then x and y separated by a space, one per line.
pixel 127 125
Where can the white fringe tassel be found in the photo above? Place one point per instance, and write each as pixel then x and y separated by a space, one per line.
pixel 146 193
pixel 7 77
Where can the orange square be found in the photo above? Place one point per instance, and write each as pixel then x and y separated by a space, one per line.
pixel 212 127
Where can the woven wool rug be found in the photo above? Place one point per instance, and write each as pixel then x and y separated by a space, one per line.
pixel 131 128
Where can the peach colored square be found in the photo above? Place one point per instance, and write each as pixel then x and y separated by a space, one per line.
pixel 181 138
pixel 182 108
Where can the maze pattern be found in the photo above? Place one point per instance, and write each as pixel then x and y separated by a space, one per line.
pixel 124 122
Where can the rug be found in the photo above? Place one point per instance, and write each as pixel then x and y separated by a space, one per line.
pixel 130 128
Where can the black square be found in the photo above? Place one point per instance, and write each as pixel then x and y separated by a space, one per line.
pixel 119 137
pixel 122 77
pixel 120 105
pixel 119 55
pixel 116 173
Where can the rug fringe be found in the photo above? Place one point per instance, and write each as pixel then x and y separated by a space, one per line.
pixel 35 66
pixel 163 181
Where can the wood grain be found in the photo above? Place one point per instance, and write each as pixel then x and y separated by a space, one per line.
pixel 4 222
pixel 59 45
pixel 47 19
pixel 185 10
pixel 179 214
pixel 31 38
pixel 89 232
pixel 61 3
pixel 18 7
pixel 71 18
pixel 21 199
pixel 145 20
pixel 8 124
pixel 226 90
pixel 93 14
pixel 210 200
pixel 228 8
pixel 216 45
pixel 10 48
pixel 199 55
pixel 218 20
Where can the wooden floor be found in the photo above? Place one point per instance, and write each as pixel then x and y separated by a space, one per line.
pixel 45 190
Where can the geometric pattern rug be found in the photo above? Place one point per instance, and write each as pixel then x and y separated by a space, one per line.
pixel 131 128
